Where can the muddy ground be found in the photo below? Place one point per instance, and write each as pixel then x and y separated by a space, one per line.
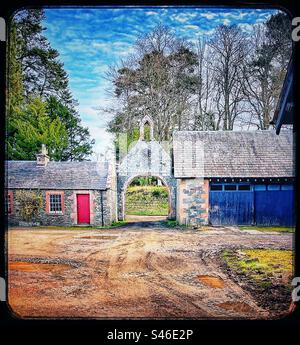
pixel 135 271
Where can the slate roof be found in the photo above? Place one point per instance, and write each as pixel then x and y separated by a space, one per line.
pixel 233 154
pixel 57 175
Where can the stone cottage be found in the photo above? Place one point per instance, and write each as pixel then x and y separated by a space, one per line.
pixel 212 178
pixel 74 193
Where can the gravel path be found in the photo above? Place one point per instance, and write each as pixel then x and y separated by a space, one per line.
pixel 131 272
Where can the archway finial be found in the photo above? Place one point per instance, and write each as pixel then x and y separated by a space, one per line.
pixel 146 120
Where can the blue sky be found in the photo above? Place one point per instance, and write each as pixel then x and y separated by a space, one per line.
pixel 89 40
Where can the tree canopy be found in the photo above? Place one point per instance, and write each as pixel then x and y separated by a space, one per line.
pixel 231 80
pixel 40 107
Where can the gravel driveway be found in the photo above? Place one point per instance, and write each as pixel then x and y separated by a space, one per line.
pixel 131 272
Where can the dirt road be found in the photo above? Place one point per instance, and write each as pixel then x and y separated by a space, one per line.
pixel 130 272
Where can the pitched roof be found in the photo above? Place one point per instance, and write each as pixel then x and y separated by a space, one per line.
pixel 57 175
pixel 233 154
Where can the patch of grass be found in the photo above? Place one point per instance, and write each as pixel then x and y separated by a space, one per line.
pixel 260 265
pixel 147 212
pixel 171 223
pixel 269 228
pixel 147 201
pixel 114 225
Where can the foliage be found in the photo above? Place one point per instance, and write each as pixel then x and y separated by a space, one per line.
pixel 30 127
pixel 144 181
pixel 30 204
pixel 232 79
pixel 160 82
pixel 79 145
pixel 147 200
pixel 15 79
pixel 37 76
pixel 172 223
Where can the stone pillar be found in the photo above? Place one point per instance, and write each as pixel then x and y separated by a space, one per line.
pixel 192 201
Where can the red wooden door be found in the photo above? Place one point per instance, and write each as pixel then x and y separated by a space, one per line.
pixel 83 208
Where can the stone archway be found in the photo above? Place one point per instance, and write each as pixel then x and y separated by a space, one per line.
pixel 146 158
pixel 164 181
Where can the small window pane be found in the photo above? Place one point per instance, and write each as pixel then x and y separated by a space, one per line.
pixel 214 187
pixel 244 187
pixel 230 187
pixel 287 187
pixel 55 203
pixel 260 187
pixel 274 187
pixel 7 203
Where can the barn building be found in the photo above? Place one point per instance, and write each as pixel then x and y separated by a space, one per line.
pixel 217 178
pixel 246 177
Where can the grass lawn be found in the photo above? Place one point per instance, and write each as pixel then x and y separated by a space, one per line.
pixel 262 266
pixel 269 228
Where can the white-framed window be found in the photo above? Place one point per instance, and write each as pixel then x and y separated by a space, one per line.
pixel 55 202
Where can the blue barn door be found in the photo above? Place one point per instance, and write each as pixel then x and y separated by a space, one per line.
pixel 274 207
pixel 231 207
pixel 238 204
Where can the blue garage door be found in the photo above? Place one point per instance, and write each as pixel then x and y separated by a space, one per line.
pixel 251 204
pixel 274 207
pixel 231 206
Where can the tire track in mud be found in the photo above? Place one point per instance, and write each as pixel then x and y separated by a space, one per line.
pixel 139 273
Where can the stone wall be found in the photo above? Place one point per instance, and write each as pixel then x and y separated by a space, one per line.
pixel 146 158
pixel 69 216
pixel 192 201
pixel 111 193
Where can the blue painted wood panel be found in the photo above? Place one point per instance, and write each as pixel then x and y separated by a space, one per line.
pixel 261 207
pixel 232 207
pixel 274 208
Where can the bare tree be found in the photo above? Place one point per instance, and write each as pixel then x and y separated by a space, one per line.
pixel 204 115
pixel 159 80
pixel 266 69
pixel 259 86
pixel 229 50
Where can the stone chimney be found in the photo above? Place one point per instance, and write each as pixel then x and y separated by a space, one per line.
pixel 42 158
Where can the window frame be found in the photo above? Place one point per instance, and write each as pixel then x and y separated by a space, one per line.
pixel 8 196
pixel 48 205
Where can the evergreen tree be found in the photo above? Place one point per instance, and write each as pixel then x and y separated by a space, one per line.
pixel 77 147
pixel 33 128
pixel 36 72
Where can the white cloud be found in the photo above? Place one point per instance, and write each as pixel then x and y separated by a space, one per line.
pixel 151 13
pixel 226 21
pixel 194 27
pixel 183 17
pixel 236 16
pixel 208 15
pixel 246 27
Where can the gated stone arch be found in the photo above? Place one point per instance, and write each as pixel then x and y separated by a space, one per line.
pixel 146 158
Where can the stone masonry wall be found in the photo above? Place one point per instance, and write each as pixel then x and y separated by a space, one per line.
pixel 192 201
pixel 69 216
pixel 146 159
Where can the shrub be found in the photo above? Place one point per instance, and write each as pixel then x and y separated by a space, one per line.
pixel 30 204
